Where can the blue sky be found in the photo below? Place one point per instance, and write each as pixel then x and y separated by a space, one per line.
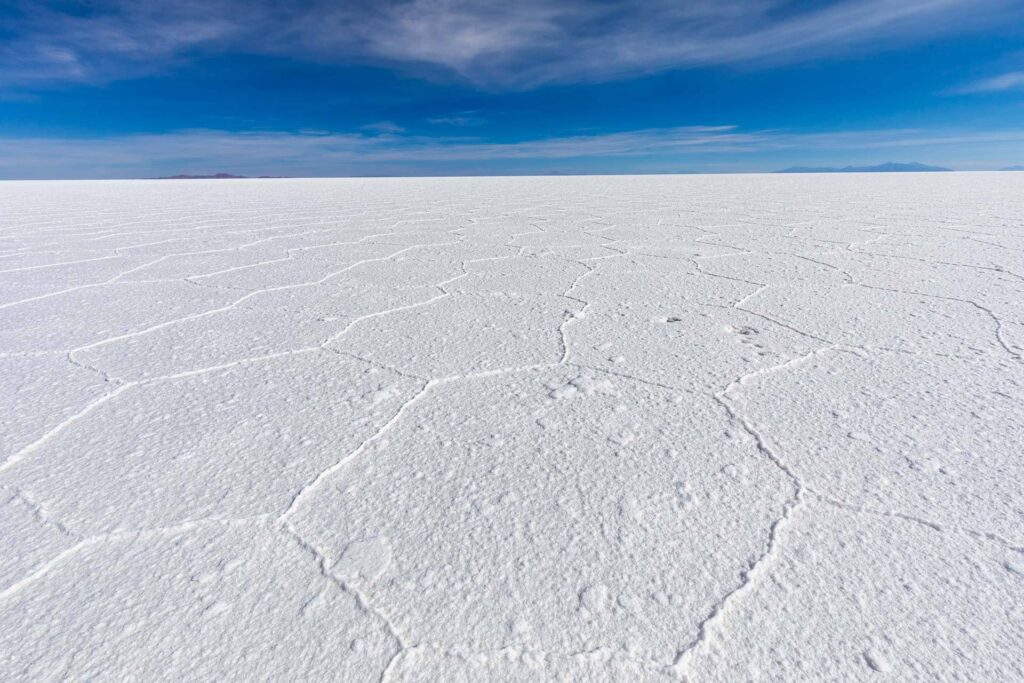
pixel 130 88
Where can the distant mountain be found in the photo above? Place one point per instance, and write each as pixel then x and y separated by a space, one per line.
pixel 215 176
pixel 1013 168
pixel 889 167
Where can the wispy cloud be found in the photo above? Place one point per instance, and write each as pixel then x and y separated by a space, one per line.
pixel 320 153
pixel 1013 80
pixel 383 128
pixel 109 40
pixel 461 119
pixel 504 45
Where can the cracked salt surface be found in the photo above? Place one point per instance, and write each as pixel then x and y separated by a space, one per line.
pixel 619 428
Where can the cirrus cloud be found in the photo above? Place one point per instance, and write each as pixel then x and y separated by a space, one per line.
pixel 493 45
pixel 1008 81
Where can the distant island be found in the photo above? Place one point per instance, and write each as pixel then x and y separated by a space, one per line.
pixel 889 167
pixel 215 176
pixel 1013 168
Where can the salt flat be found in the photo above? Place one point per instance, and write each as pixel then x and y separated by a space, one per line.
pixel 712 428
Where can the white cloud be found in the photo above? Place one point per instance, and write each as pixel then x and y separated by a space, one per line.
pixel 503 45
pixel 383 128
pixel 1008 81
pixel 460 120
pixel 119 39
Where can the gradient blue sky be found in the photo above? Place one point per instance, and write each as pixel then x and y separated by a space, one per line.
pixel 121 88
